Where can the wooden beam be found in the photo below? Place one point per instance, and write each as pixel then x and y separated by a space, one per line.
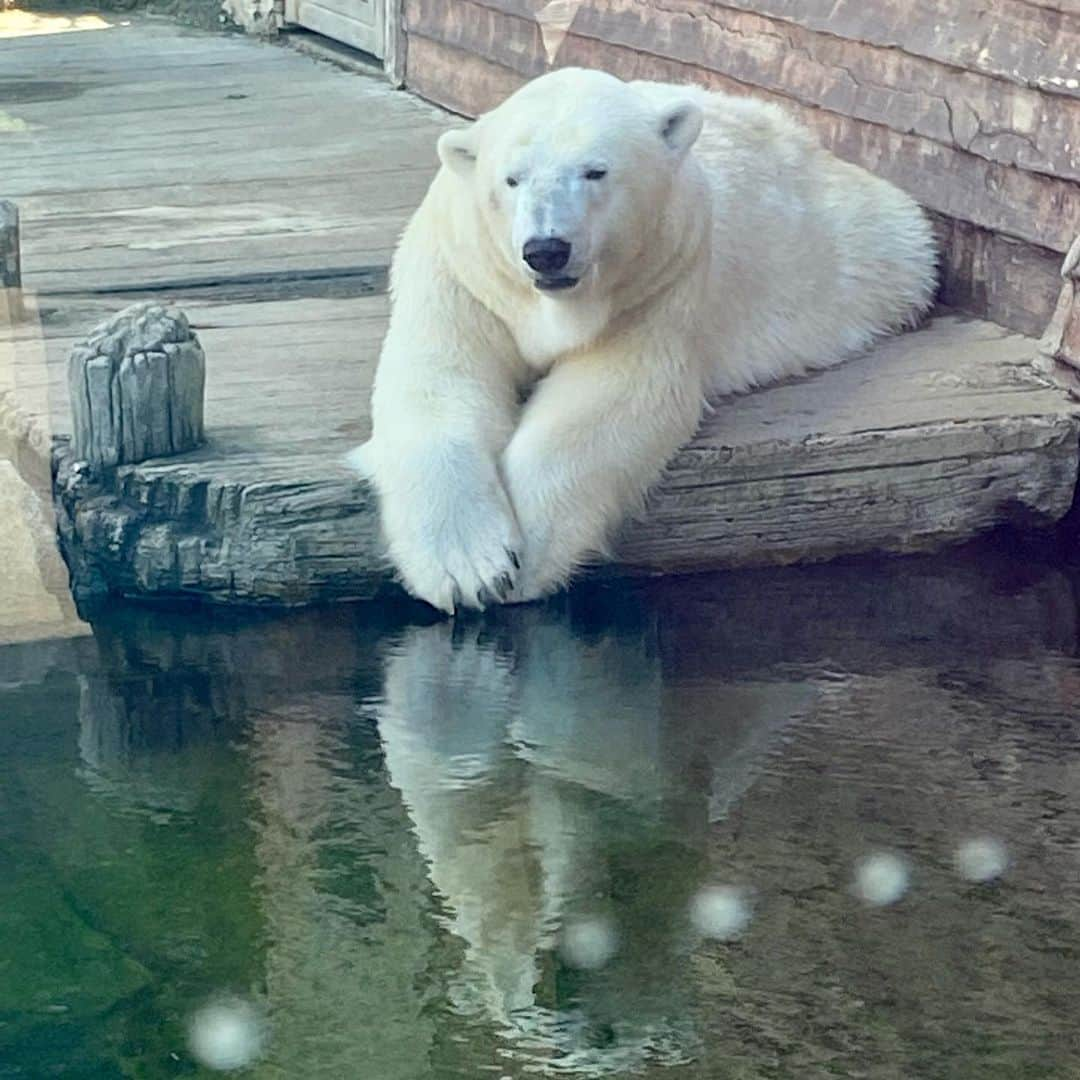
pixel 1004 122
pixel 1012 40
pixel 997 277
pixel 10 262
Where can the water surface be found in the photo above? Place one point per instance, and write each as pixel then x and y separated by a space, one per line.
pixel 427 850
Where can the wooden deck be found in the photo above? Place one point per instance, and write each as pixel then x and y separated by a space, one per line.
pixel 262 191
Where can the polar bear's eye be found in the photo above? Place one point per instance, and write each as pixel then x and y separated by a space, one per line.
pixel 595 174
pixel 511 181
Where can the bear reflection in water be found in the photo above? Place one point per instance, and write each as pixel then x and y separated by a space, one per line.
pixel 558 768
pixel 561 793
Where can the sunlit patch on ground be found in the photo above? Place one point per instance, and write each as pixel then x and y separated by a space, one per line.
pixel 15 23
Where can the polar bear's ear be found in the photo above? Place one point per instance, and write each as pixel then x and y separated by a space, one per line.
pixel 680 125
pixel 457 150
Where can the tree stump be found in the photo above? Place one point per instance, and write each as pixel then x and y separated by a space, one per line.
pixel 136 385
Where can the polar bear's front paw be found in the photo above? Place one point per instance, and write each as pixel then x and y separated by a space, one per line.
pixel 470 562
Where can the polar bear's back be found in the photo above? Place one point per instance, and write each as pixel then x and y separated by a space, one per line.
pixel 813 258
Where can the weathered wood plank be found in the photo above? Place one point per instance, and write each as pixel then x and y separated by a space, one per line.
pixel 249 101
pixel 307 254
pixel 393 149
pixel 196 132
pixel 963 385
pixel 1019 42
pixel 75 201
pixel 458 80
pixel 143 60
pixel 159 176
pixel 1006 123
pixel 10 249
pixel 135 386
pixel 180 230
pixel 189 130
pixel 997 277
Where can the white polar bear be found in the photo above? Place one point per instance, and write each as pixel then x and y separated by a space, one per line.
pixel 574 285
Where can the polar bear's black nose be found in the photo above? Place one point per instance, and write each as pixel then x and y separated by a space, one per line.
pixel 546 256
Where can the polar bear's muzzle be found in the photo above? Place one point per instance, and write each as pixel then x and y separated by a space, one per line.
pixel 548 258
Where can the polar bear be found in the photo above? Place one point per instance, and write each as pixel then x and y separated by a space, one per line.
pixel 593 259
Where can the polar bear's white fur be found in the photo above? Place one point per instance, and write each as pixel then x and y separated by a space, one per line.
pixel 584 271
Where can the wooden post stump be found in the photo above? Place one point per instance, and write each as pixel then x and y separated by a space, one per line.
pixel 10 268
pixel 136 386
pixel 1062 338
pixel 11 306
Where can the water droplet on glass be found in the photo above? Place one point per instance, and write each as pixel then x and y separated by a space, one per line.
pixel 881 879
pixel 721 911
pixel 982 858
pixel 227 1034
pixel 589 943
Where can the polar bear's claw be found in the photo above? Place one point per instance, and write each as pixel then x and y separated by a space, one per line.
pixel 450 575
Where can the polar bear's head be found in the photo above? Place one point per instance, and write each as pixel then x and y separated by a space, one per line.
pixel 570 175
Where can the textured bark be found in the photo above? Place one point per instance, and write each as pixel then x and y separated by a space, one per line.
pixel 136 388
pixel 1013 40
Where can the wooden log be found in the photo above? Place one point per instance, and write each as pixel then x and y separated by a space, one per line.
pixel 1061 341
pixel 136 385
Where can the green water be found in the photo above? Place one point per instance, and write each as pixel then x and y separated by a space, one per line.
pixel 384 835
